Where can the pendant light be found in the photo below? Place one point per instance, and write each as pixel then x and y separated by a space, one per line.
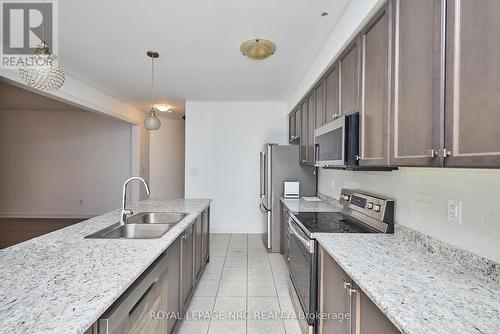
pixel 42 71
pixel 152 122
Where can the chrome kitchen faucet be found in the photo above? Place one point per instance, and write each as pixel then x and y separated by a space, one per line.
pixel 126 212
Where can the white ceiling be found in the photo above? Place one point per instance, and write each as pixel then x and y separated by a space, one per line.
pixel 103 43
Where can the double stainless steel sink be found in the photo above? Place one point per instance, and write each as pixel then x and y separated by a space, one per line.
pixel 143 225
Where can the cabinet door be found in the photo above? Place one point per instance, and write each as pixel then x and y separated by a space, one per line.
pixel 319 105
pixel 370 319
pixel 298 121
pixel 333 297
pixel 311 121
pixel 292 130
pixel 349 70
pixel 303 132
pixel 473 83
pixel 331 82
pixel 205 234
pixel 418 105
pixel 284 231
pixel 173 283
pixel 198 246
pixel 187 248
pixel 139 318
pixel 375 90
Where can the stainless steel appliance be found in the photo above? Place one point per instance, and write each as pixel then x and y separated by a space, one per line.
pixel 336 143
pixel 130 312
pixel 361 213
pixel 280 163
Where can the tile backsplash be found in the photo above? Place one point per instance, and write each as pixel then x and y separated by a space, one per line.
pixel 421 196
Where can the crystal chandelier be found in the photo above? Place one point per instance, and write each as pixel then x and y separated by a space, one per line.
pixel 42 71
pixel 152 122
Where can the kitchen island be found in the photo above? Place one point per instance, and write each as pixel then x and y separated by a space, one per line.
pixel 62 283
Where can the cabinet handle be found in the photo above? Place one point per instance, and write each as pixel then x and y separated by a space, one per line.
pixel 335 116
pixel 184 237
pixel 443 153
pixel 347 284
pixel 357 157
pixel 432 153
pixel 351 291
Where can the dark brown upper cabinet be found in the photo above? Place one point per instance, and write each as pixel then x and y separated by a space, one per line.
pixel 418 103
pixel 311 126
pixel 294 126
pixel 375 90
pixel 304 127
pixel 291 127
pixel 319 104
pixel 331 82
pixel 349 73
pixel 472 84
pixel 307 113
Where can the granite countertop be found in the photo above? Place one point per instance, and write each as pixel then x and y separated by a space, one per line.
pixel 301 205
pixel 61 282
pixel 421 292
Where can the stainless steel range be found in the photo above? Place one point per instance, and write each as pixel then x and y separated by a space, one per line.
pixel 361 213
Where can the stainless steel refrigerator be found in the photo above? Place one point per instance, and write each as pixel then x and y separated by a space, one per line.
pixel 280 163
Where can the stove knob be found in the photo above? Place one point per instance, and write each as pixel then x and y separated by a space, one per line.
pixel 376 208
pixel 369 205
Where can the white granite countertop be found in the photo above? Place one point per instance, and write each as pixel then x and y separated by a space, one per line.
pixel 419 291
pixel 61 282
pixel 301 205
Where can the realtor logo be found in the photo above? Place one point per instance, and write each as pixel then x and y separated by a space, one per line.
pixel 25 24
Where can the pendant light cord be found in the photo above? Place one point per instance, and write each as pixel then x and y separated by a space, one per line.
pixel 43 22
pixel 152 81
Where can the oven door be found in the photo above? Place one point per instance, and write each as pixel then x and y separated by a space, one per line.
pixel 302 263
pixel 329 144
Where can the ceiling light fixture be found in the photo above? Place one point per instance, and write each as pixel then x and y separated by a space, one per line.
pixel 163 108
pixel 258 49
pixel 152 122
pixel 41 70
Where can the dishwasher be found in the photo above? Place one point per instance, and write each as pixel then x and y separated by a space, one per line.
pixel 134 311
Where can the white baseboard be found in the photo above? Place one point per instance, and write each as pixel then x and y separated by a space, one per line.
pixel 232 230
pixel 46 215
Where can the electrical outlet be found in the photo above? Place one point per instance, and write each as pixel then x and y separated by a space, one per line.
pixel 454 211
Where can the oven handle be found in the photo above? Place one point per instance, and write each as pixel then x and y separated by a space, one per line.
pixel 294 231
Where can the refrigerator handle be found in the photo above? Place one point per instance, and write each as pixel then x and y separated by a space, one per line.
pixel 262 174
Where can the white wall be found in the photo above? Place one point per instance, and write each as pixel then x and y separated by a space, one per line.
pixel 50 160
pixel 356 15
pixel 223 141
pixel 77 93
pixel 167 159
pixel 422 195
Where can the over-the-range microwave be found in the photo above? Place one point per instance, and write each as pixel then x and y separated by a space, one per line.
pixel 336 144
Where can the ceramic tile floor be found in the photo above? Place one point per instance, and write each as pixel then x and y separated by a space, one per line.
pixel 243 290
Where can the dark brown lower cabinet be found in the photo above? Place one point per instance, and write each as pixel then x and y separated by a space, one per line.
pixel 198 246
pixel 205 235
pixel 285 215
pixel 173 284
pixel 343 307
pixel 187 266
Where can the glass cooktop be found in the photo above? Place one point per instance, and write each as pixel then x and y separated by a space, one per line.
pixel 331 222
